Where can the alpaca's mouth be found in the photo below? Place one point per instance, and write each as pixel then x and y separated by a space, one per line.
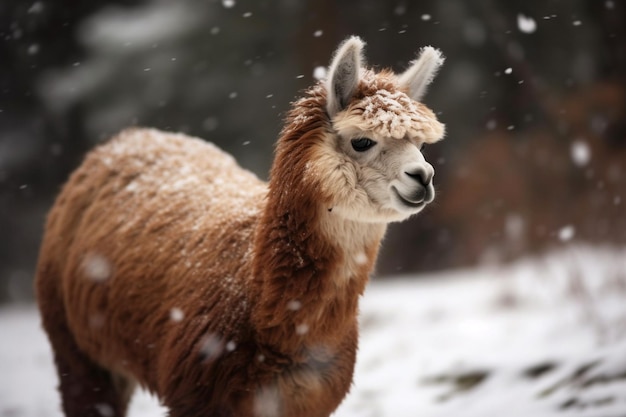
pixel 412 204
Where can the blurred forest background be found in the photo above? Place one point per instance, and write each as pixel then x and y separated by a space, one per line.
pixel 533 94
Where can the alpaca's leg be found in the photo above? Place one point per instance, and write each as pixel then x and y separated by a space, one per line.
pixel 86 388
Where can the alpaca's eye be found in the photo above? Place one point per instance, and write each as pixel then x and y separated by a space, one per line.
pixel 362 144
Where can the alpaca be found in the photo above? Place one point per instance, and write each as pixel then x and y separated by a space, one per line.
pixel 165 264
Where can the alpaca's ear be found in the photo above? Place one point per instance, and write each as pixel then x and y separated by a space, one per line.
pixel 343 75
pixel 421 72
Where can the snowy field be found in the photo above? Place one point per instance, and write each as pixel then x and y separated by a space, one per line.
pixel 542 337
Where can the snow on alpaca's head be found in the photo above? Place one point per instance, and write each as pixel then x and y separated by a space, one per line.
pixel 383 103
pixel 388 112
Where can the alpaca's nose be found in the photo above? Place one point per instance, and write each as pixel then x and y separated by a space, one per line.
pixel 423 175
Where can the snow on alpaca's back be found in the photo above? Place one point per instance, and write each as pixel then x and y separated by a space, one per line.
pixel 181 179
pixel 208 177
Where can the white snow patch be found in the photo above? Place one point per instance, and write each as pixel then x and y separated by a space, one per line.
pixel 392 114
pixel 421 335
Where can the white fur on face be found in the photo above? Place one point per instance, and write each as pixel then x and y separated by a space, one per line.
pixel 391 180
pixel 372 186
pixel 380 184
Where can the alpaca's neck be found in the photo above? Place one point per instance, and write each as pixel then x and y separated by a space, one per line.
pixel 357 242
pixel 310 268
pixel 309 264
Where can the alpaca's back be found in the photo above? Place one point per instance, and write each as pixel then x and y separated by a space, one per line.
pixel 146 206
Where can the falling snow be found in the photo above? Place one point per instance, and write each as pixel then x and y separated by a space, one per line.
pixel 319 73
pixel 526 24
pixel 228 3
pixel 211 347
pixel 96 267
pixel 400 9
pixel 210 124
pixel 360 258
pixel 514 227
pixel 176 314
pixel 302 328
pixel 33 49
pixel 566 233
pixel 37 7
pixel 580 153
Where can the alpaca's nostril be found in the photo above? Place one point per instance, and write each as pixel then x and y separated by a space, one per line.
pixel 422 176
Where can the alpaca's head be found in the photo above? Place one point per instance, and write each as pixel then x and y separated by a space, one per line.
pixel 370 162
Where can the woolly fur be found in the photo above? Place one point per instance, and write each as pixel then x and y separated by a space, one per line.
pixel 166 264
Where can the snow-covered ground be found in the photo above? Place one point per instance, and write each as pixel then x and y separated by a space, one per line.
pixel 542 337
